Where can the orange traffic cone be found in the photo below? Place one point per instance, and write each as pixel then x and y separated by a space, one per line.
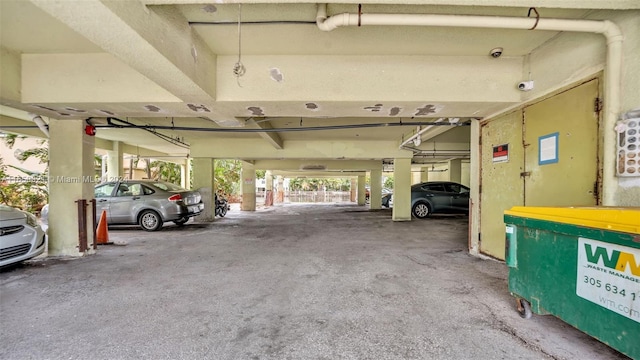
pixel 102 233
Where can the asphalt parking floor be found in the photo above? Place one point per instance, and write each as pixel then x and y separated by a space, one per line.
pixel 287 282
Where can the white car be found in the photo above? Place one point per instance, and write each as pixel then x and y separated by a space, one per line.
pixel 21 238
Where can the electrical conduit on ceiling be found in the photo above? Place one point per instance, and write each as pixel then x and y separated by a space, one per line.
pixel 612 33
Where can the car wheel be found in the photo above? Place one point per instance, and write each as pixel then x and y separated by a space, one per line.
pixel 421 210
pixel 150 220
pixel 181 222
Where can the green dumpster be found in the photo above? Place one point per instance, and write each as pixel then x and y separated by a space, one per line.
pixel 581 265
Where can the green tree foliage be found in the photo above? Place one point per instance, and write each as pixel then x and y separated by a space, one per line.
pixel 227 176
pixel 28 192
pixel 165 171
pixel 311 184
pixel 388 182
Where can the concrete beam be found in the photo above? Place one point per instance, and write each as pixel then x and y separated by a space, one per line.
pixel 318 166
pixel 271 137
pixel 318 174
pixel 393 78
pixel 160 45
pixel 143 152
pixel 298 149
pixel 562 4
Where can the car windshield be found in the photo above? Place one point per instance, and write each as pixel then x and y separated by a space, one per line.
pixel 167 186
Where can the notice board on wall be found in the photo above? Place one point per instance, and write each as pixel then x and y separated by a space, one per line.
pixel 501 153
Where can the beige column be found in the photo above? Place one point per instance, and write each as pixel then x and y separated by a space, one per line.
pixel 362 189
pixel 455 170
pixel 354 189
pixel 268 188
pixel 248 187
pixel 474 170
pixel 424 173
pixel 185 174
pixel 115 165
pixel 203 181
pixel 416 176
pixel 375 199
pixel 401 190
pixel 72 177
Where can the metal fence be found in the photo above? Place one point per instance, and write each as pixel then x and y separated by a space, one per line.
pixel 310 196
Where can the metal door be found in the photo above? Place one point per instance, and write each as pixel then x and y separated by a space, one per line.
pixel 561 149
pixel 501 186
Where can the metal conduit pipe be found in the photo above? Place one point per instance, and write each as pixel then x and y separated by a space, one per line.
pixel 613 66
pixel 419 133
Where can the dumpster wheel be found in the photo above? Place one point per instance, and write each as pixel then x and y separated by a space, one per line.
pixel 524 308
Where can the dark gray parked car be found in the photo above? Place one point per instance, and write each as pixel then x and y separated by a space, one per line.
pixel 439 197
pixel 146 203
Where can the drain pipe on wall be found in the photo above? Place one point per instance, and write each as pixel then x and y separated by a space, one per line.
pixel 613 66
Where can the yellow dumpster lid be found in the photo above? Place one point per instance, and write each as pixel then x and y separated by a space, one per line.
pixel 622 219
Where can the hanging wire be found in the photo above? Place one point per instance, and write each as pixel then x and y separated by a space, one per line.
pixel 238 68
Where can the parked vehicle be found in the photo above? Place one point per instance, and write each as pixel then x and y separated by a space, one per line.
pixel 387 198
pixel 146 203
pixel 222 206
pixel 21 238
pixel 439 197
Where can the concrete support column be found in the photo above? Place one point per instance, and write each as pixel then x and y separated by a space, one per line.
pixel 268 188
pixel 115 165
pixel 362 190
pixel 203 182
pixel 401 190
pixel 424 174
pixel 354 190
pixel 415 175
pixel 455 170
pixel 375 198
pixel 248 187
pixel 474 170
pixel 280 194
pixel 71 178
pixel 185 174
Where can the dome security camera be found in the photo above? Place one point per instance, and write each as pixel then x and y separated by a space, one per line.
pixel 496 52
pixel 525 85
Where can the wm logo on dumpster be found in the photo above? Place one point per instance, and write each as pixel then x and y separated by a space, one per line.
pixel 615 260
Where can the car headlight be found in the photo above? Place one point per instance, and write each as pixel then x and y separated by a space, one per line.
pixel 32 220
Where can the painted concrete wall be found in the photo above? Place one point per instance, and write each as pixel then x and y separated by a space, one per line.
pixel 572 57
pixel 466 173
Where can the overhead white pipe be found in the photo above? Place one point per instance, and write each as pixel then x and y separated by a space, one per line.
pixel 37 119
pixel 419 134
pixel 612 72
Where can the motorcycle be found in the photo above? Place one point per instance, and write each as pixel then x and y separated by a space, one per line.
pixel 222 206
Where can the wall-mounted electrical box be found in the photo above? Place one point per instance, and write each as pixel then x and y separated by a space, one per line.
pixel 628 146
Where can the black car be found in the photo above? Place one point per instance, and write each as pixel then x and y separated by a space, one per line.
pixel 443 197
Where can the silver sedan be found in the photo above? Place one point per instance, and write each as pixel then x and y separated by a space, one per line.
pixel 146 203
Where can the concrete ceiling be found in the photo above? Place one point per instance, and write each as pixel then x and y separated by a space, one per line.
pixel 175 61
